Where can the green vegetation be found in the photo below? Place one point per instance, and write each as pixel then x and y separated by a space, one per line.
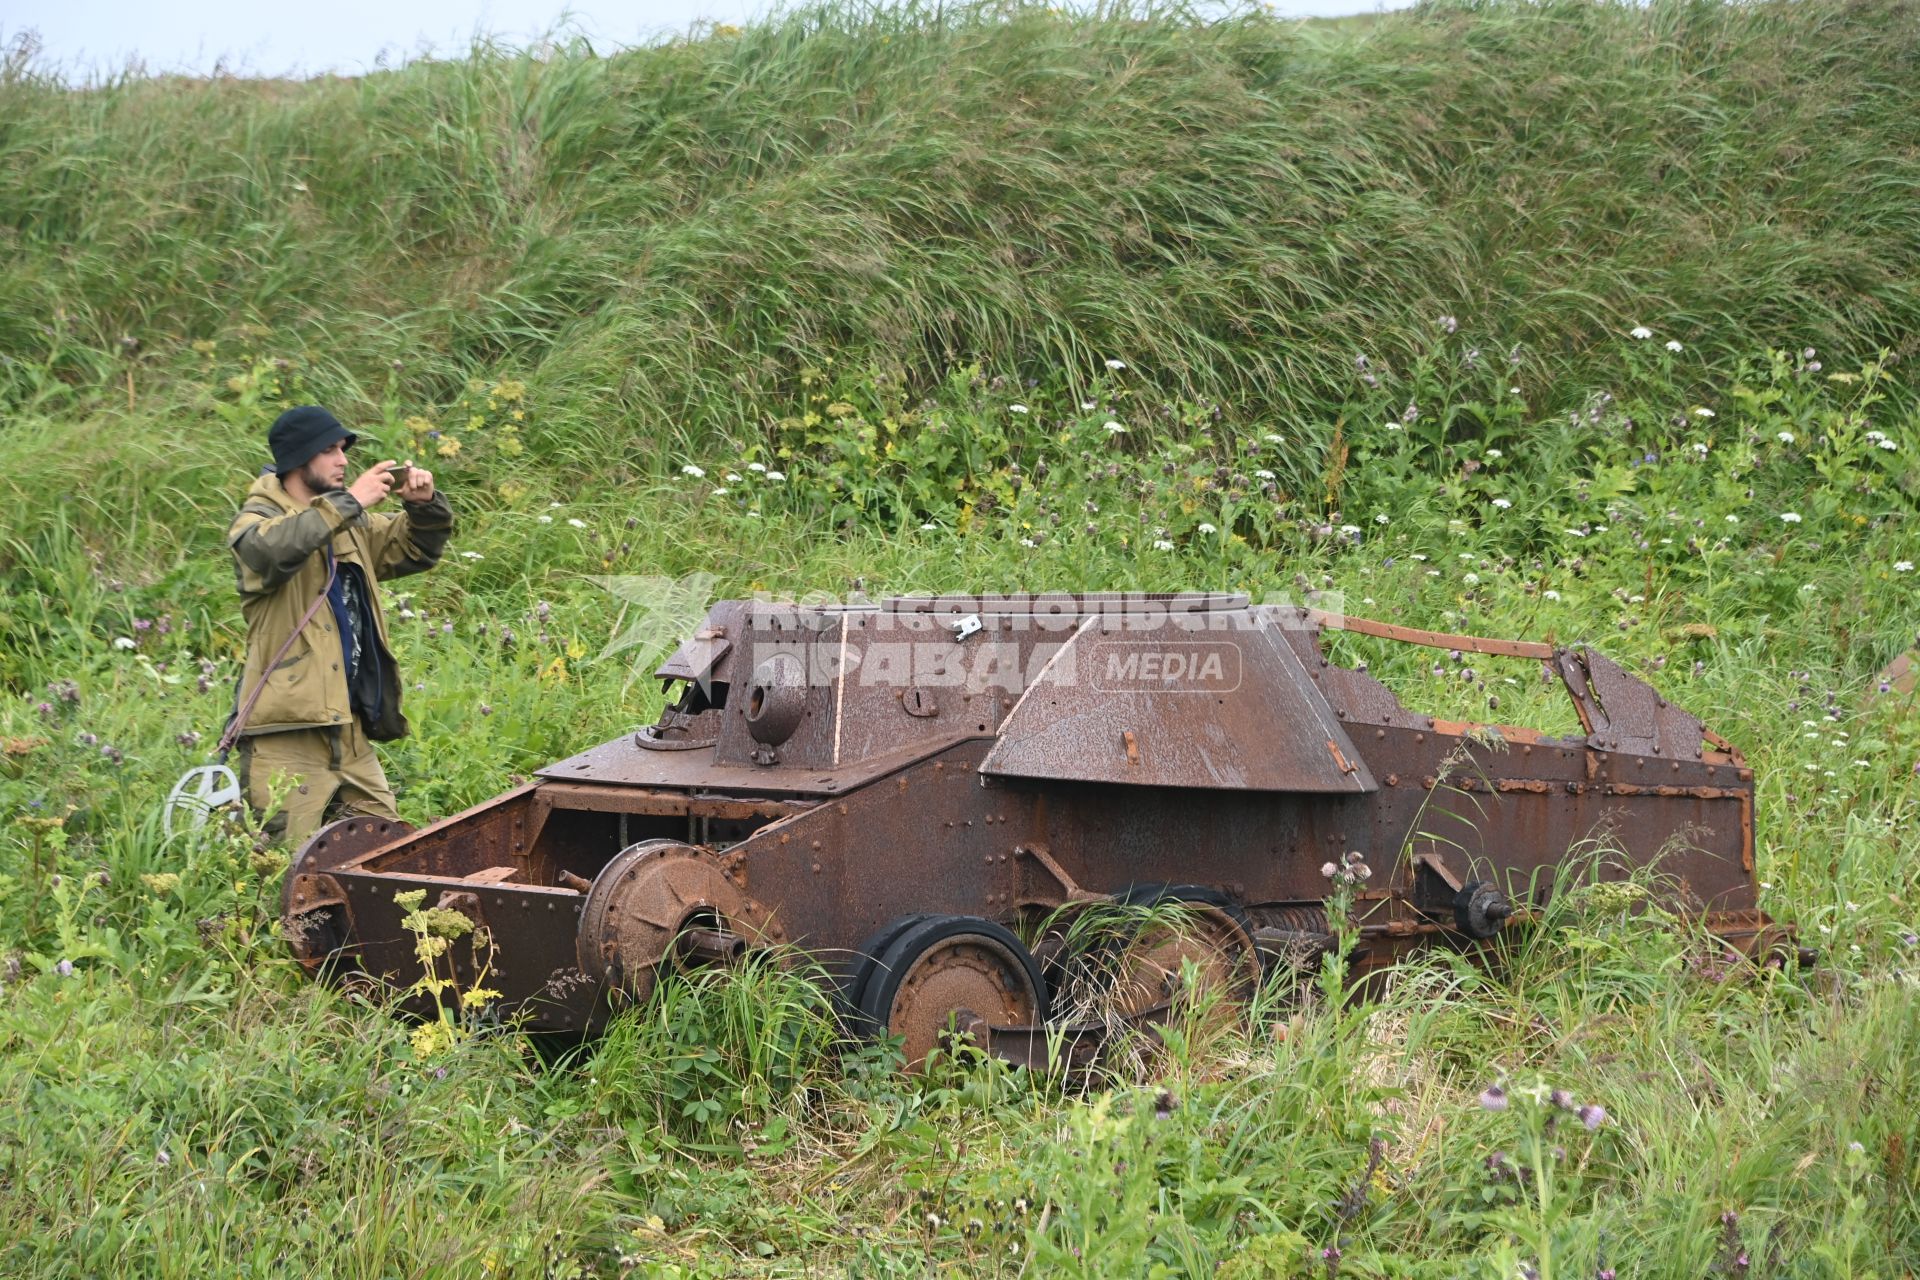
pixel 982 299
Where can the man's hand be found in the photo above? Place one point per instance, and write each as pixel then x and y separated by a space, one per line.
pixel 419 486
pixel 373 485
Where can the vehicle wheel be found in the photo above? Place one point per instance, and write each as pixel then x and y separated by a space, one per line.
pixel 943 971
pixel 1214 934
pixel 314 917
pixel 866 961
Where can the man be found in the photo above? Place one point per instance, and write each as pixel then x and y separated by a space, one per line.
pixel 320 685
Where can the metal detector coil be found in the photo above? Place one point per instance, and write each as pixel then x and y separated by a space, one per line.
pixel 199 792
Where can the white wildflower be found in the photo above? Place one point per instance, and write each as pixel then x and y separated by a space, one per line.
pixel 929 525
pixel 473 555
pixel 1207 528
pixel 1028 542
pixel 1674 347
pixel 733 477
pixel 1264 474
pixel 1381 518
pixel 776 476
pixel 1161 544
pixel 1116 365
pixel 761 467
pixel 698 473
pixel 1494 453
pixel 576 522
pixel 123 642
pixel 1550 594
pixel 1271 438
pixel 1016 408
pixel 1471 579
pixel 1785 437
pixel 1733 519
pixel 1903 566
pixel 1349 529
pixel 1502 503
pixel 1889 446
pixel 1513 391
pixel 1703 413
pixel 1641 332
pixel 1790 517
pixel 1088 406
pixel 544 519
pixel 719 493
pixel 1115 429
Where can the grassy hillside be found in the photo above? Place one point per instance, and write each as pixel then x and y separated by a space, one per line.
pixel 1563 320
pixel 667 237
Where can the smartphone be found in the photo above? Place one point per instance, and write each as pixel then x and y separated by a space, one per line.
pixel 400 473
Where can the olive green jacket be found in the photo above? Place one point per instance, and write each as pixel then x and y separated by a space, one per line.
pixel 280 571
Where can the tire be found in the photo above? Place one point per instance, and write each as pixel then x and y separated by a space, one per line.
pixel 935 933
pixel 866 962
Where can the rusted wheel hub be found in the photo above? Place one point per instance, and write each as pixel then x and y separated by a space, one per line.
pixel 1152 970
pixel 1124 959
pixel 314 917
pixel 949 975
pixel 649 900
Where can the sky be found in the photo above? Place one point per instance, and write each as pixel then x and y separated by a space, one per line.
pixel 85 38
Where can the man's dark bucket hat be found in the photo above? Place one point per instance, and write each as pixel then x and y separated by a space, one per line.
pixel 301 434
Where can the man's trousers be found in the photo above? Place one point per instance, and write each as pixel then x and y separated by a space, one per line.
pixel 316 776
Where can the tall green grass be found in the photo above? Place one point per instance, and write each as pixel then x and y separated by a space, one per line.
pixel 665 237
pixel 886 253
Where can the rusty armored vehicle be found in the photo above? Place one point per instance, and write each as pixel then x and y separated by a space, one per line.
pixel 905 789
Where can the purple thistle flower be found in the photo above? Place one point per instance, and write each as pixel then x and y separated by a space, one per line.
pixel 64 968
pixel 44 708
pixel 1561 1099
pixel 1593 1115
pixel 1493 1098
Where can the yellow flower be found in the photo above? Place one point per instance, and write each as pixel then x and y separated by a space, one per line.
pixel 418 425
pixel 203 347
pixel 511 446
pixel 236 385
pixel 449 448
pixel 429 1039
pixel 160 883
pixel 519 415
pixel 475 422
pixel 510 391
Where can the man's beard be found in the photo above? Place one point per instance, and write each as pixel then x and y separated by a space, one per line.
pixel 317 483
